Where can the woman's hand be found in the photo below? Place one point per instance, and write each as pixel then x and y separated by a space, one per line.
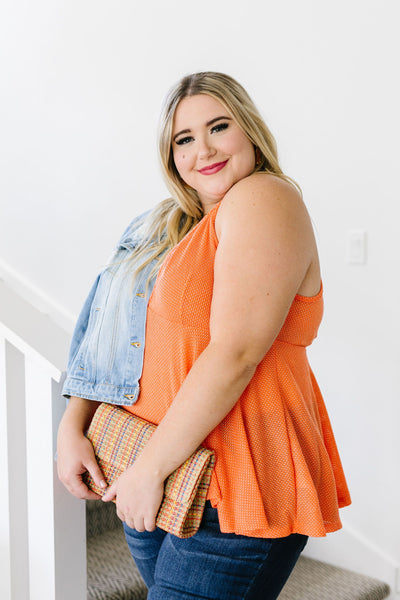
pixel 75 456
pixel 138 494
pixel 75 453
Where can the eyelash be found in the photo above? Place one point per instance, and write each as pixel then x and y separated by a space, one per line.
pixel 220 127
pixel 215 129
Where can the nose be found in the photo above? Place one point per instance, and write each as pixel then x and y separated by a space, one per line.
pixel 205 149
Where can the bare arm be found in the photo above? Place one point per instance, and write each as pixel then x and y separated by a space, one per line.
pixel 265 254
pixel 74 452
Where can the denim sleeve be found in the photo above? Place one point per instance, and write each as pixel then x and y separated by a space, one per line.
pixel 82 323
pixel 83 319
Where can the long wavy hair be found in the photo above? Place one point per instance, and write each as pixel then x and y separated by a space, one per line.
pixel 174 217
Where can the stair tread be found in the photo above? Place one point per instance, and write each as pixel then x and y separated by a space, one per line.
pixel 100 517
pixel 111 571
pixel 315 580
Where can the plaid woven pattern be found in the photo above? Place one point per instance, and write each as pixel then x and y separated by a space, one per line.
pixel 118 437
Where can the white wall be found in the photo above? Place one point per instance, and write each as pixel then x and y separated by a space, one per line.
pixel 83 86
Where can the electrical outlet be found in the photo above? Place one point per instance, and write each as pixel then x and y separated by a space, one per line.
pixel 357 247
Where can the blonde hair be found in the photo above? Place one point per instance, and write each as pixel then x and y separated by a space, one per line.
pixel 174 217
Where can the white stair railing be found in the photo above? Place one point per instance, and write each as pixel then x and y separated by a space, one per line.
pixel 42 527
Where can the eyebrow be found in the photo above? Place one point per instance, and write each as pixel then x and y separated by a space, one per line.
pixel 207 125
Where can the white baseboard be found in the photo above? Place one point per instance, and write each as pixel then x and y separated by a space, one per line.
pixel 36 297
pixel 351 550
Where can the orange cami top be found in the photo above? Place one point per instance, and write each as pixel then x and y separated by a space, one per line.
pixel 277 468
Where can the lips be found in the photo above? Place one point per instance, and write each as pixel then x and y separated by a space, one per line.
pixel 211 169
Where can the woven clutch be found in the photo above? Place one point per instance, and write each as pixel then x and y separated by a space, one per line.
pixel 118 437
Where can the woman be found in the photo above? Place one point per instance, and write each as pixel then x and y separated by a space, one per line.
pixel 237 299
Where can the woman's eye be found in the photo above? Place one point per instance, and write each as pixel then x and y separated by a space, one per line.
pixel 184 140
pixel 220 127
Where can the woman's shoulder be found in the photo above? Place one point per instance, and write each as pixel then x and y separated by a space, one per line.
pixel 265 182
pixel 263 196
pixel 267 214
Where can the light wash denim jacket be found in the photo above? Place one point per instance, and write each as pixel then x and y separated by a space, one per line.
pixel 106 353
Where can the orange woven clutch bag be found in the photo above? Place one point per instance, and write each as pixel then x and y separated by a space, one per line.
pixel 118 437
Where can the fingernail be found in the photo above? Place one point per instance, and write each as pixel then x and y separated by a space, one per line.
pixel 103 484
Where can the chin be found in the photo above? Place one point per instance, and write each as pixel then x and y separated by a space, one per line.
pixel 219 192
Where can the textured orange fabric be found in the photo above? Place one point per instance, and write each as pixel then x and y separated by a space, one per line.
pixel 277 469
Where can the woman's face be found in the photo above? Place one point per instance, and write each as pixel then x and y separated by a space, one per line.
pixel 211 152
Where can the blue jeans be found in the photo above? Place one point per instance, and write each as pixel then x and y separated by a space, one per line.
pixel 211 564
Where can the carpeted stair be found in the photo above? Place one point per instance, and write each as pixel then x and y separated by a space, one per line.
pixel 112 574
pixel 315 580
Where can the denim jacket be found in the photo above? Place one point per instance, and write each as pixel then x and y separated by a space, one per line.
pixel 106 353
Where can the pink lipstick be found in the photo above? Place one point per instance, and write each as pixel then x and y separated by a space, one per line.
pixel 211 169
